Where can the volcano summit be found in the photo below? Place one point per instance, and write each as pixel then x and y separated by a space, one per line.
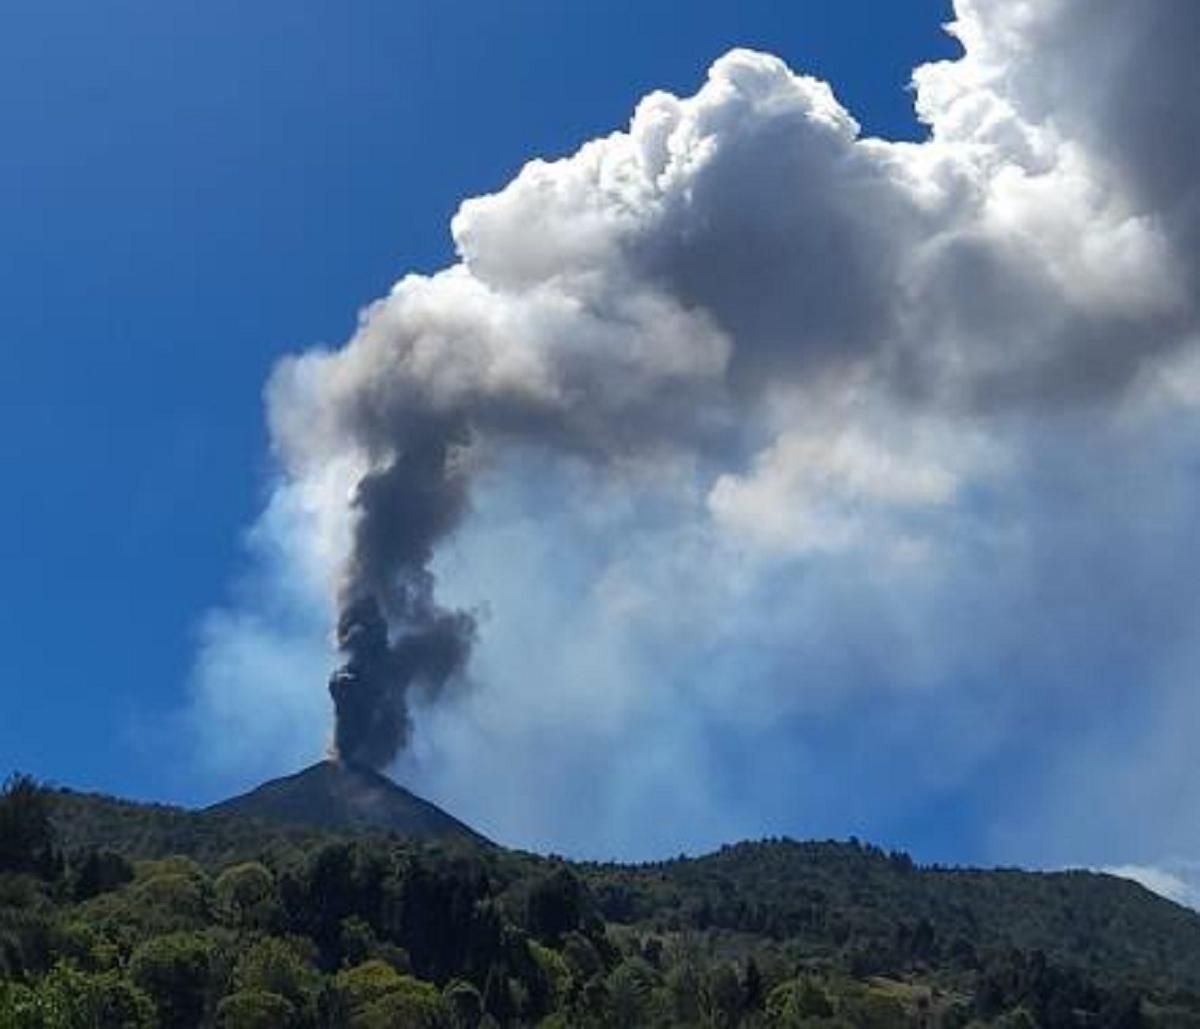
pixel 340 795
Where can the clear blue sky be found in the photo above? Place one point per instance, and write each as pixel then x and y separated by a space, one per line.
pixel 189 190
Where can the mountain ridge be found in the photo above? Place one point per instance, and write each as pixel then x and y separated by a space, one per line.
pixel 822 895
pixel 775 931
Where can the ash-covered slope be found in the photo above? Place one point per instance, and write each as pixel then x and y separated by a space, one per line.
pixel 336 795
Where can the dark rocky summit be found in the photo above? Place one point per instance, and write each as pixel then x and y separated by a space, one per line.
pixel 338 795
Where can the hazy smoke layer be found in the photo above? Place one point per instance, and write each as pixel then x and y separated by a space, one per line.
pixel 800 364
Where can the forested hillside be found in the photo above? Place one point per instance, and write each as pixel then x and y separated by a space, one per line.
pixel 116 914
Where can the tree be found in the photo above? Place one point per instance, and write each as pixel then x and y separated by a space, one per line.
pixel 170 902
pixel 752 986
pixel 176 970
pixel 273 966
pixel 366 983
pixel 26 832
pixel 414 1005
pixel 246 897
pixel 812 1001
pixel 793 1002
pixel 377 996
pixel 465 1004
pixel 98 872
pixel 630 989
pixel 683 991
pixel 556 905
pixel 67 998
pixel 18 1007
pixel 255 1009
pixel 874 1010
pixel 722 997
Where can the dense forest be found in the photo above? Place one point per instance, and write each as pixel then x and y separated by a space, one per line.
pixel 115 914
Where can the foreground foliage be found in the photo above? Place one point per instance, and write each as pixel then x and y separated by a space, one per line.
pixel 249 926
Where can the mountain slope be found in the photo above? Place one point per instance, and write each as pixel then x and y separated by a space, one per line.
pixel 772 933
pixel 839 902
pixel 831 895
pixel 335 795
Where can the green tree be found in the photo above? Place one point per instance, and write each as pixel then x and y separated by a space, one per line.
pixel 414 1005
pixel 17 1006
pixel 366 983
pixel 722 997
pixel 26 832
pixel 630 991
pixel 67 998
pixel 552 968
pixel 582 957
pixel 176 900
pixel 177 972
pixel 812 1001
pixel 29 934
pixel 874 1010
pixel 246 897
pixel 683 984
pixel 255 1009
pixel 752 986
pixel 99 871
pixel 556 905
pixel 378 997
pixel 795 1001
pixel 273 966
pixel 465 1004
pixel 1018 1018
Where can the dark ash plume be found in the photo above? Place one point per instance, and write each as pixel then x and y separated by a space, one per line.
pixel 393 634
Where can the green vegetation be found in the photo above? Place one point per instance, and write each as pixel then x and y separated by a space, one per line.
pixel 120 915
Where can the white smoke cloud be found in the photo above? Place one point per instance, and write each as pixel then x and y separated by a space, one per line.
pixel 796 458
pixel 1161 881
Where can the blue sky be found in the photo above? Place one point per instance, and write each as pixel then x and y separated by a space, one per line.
pixel 884 603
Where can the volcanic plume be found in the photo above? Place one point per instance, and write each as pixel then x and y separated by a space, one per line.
pixel 402 509
pixel 797 328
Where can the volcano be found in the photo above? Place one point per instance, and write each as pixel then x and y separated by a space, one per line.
pixel 338 795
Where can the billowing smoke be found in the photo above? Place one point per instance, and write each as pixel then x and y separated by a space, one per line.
pixel 733 260
pixel 403 508
pixel 841 391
